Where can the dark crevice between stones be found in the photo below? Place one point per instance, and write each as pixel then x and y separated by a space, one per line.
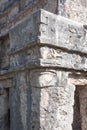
pixel 77 118
pixel 4 109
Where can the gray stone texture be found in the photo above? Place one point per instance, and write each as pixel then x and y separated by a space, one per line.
pixel 4 109
pixel 43 65
pixel 62 40
pixel 52 48
pixel 51 102
pixel 18 102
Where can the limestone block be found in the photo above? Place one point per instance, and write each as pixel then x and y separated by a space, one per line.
pixel 49 57
pixel 49 29
pixel 52 104
pixel 43 97
pixel 78 80
pixel 22 58
pixel 59 58
pixel 62 32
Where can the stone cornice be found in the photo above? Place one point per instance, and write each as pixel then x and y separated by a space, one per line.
pixel 45 40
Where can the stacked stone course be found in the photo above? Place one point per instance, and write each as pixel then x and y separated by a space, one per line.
pixel 43 66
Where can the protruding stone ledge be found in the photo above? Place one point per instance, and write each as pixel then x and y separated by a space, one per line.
pixel 49 63
pixel 63 32
pixel 58 39
pixel 49 29
pixel 78 79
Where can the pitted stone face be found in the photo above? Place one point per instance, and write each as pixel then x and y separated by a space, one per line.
pixel 44 49
pixel 52 32
pixel 76 10
pixel 49 29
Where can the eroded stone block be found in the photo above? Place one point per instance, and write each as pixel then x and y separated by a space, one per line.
pixel 49 29
pixel 51 107
pixel 62 32
pixel 44 49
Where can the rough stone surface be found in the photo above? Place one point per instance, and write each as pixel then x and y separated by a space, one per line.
pixel 4 109
pixel 43 65
pixel 18 102
pixel 52 115
pixel 76 10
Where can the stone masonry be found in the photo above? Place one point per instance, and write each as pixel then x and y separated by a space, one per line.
pixel 43 66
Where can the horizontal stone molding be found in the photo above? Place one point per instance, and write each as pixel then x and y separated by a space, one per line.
pixel 47 40
pixel 44 56
pixel 78 81
pixel 50 29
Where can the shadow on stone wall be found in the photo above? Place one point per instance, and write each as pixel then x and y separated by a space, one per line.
pixel 77 118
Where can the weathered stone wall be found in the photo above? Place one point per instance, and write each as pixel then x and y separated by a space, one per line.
pixel 43 65
pixel 46 59
pixel 14 11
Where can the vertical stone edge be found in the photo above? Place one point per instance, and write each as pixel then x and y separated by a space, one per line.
pixel 20 101
pixel 52 99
